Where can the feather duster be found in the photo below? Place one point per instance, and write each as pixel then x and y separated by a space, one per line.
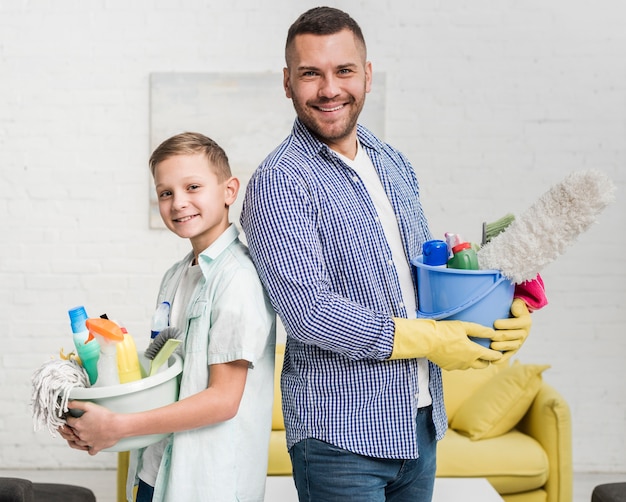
pixel 540 234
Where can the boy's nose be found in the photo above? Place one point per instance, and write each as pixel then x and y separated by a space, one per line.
pixel 180 201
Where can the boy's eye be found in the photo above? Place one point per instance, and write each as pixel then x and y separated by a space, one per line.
pixel 164 194
pixel 194 187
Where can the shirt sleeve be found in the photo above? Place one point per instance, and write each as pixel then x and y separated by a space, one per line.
pixel 280 220
pixel 241 319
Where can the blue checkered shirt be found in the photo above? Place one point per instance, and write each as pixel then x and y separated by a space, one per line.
pixel 321 253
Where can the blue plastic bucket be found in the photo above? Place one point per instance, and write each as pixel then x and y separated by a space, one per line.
pixel 479 296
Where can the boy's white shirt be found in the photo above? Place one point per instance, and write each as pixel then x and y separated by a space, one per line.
pixel 228 318
pixel 362 164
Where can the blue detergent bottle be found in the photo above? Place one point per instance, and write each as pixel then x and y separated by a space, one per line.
pixel 435 253
pixel 88 349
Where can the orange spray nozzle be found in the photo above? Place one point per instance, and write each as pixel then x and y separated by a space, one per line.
pixel 105 329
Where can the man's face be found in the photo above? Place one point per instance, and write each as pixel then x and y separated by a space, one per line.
pixel 327 78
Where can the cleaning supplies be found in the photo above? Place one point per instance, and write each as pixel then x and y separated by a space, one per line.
pixel 108 335
pixel 128 367
pixel 87 347
pixel 435 253
pixel 542 232
pixel 490 230
pixel 160 319
pixel 163 346
pixel 463 255
pixel 51 387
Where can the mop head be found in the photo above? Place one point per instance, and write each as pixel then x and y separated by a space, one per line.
pixel 540 234
pixel 51 387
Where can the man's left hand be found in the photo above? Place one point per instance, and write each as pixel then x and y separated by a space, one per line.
pixel 511 333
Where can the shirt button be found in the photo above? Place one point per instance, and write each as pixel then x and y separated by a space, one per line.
pixel 355 179
pixel 390 263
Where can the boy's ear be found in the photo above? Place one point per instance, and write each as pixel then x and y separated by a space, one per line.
pixel 231 188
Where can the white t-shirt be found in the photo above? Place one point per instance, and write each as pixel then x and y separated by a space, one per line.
pixel 153 453
pixel 362 164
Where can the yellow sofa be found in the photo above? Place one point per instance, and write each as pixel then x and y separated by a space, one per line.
pixel 532 462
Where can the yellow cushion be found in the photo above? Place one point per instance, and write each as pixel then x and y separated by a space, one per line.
pixel 498 405
pixel 512 462
pixel 459 385
pixel 279 462
pixel 278 422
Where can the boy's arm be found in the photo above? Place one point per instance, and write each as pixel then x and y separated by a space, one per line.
pixel 99 428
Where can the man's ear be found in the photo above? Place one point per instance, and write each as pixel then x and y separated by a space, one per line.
pixel 286 82
pixel 231 186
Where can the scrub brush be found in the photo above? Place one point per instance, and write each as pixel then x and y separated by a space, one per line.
pixel 540 234
pixel 162 347
pixel 490 230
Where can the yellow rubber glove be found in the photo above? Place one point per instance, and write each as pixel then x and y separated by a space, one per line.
pixel 510 334
pixel 445 343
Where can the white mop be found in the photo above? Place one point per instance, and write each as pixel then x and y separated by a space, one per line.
pixel 51 387
pixel 540 234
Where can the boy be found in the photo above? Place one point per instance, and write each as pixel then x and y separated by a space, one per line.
pixel 222 420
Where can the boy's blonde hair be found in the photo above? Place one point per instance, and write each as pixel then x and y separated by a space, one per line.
pixel 189 143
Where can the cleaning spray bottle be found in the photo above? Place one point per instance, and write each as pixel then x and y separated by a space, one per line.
pixel 128 367
pixel 160 319
pixel 464 256
pixel 108 335
pixel 87 347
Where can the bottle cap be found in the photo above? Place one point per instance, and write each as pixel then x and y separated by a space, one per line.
pixel 461 246
pixel 435 253
pixel 78 316
pixel 106 329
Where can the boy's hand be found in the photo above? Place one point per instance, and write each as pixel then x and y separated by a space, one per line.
pixel 72 439
pixel 92 431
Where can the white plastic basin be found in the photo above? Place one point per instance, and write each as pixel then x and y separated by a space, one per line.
pixel 141 395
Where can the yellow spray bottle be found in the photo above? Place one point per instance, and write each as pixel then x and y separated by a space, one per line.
pixel 128 366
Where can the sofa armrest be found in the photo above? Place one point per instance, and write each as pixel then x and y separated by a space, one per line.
pixel 548 421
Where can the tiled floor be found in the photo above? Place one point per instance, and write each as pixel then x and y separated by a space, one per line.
pixel 103 483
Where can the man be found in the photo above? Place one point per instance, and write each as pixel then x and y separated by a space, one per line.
pixel 332 217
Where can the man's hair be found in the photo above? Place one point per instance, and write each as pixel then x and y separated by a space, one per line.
pixel 323 21
pixel 190 143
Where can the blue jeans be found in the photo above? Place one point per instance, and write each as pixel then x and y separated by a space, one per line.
pixel 144 492
pixel 324 473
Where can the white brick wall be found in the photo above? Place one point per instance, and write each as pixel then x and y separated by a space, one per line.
pixel 492 101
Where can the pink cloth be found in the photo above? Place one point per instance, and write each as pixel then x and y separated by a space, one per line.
pixel 533 293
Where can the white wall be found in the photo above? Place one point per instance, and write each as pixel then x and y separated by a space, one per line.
pixel 493 101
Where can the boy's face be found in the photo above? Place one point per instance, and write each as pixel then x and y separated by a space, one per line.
pixel 192 202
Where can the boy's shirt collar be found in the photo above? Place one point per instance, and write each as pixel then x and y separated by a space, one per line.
pixel 219 246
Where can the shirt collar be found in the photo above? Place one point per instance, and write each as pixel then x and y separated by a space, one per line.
pixel 314 146
pixel 219 246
